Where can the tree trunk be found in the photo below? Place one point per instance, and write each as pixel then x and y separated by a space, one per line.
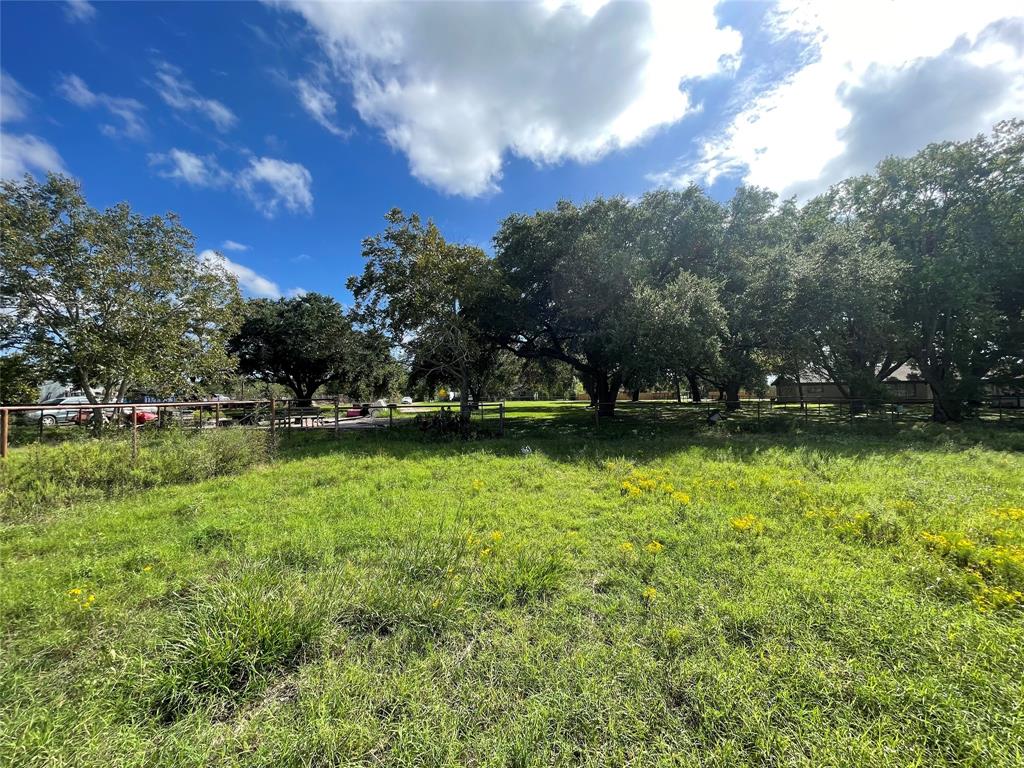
pixel 606 391
pixel 587 380
pixel 464 412
pixel 303 397
pixel 635 395
pixel 679 391
pixel 691 379
pixel 944 408
pixel 732 396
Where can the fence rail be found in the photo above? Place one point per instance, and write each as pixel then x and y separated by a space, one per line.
pixel 37 422
pixel 998 409
pixel 271 414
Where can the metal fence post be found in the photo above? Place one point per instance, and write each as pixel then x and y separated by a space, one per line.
pixel 135 433
pixel 337 417
pixel 216 415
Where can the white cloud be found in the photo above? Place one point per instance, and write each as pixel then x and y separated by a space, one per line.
pixel 294 293
pixel 457 86
pixel 272 184
pixel 300 257
pixel 882 78
pixel 14 99
pixel 79 10
pixel 319 104
pixel 231 245
pixel 179 94
pixel 189 167
pixel 128 111
pixel 23 154
pixel 249 280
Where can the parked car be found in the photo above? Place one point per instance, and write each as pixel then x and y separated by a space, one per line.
pixel 52 417
pixel 406 400
pixel 85 415
pixel 142 415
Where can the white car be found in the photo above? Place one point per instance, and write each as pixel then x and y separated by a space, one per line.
pixel 53 416
pixel 406 400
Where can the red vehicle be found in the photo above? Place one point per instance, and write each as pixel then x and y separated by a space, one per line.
pixel 142 416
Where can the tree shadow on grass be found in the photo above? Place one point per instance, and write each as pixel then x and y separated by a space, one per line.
pixel 569 432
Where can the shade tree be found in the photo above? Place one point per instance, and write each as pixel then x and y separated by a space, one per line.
pixel 109 300
pixel 302 343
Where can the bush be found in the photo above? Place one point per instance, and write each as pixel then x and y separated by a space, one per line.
pixel 43 476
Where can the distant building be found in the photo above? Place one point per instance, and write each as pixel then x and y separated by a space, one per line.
pixel 905 383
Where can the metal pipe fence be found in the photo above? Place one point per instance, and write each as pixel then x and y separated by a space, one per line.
pixel 21 424
pixel 996 411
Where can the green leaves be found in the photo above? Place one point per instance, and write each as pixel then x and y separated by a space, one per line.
pixel 301 343
pixel 110 300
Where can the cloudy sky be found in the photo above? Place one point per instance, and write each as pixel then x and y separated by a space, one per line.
pixel 283 132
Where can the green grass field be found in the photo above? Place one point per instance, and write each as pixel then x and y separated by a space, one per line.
pixel 647 594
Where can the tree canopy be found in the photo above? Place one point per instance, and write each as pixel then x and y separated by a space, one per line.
pixel 303 343
pixel 425 295
pixel 111 299
pixel 919 263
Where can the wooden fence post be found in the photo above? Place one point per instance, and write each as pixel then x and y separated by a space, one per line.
pixel 3 433
pixel 135 433
pixel 501 419
pixel 273 423
pixel 337 415
pixel 216 415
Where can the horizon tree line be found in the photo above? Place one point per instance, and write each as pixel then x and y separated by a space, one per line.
pixel 920 262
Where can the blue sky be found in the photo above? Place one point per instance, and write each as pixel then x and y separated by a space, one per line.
pixel 289 130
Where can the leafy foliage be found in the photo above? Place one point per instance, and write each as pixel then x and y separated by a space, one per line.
pixel 303 343
pixel 110 300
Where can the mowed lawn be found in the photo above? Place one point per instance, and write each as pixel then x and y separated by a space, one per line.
pixel 652 597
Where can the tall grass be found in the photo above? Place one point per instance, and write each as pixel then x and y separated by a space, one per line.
pixel 37 478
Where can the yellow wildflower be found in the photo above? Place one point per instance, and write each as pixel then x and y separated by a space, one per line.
pixel 477 486
pixel 497 536
pixel 650 594
pixel 628 489
pixel 1009 513
pixel 436 603
pixel 74 592
pixel 147 568
pixel 626 547
pixel 655 547
pixel 748 522
pixel 681 498
pixel 485 552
